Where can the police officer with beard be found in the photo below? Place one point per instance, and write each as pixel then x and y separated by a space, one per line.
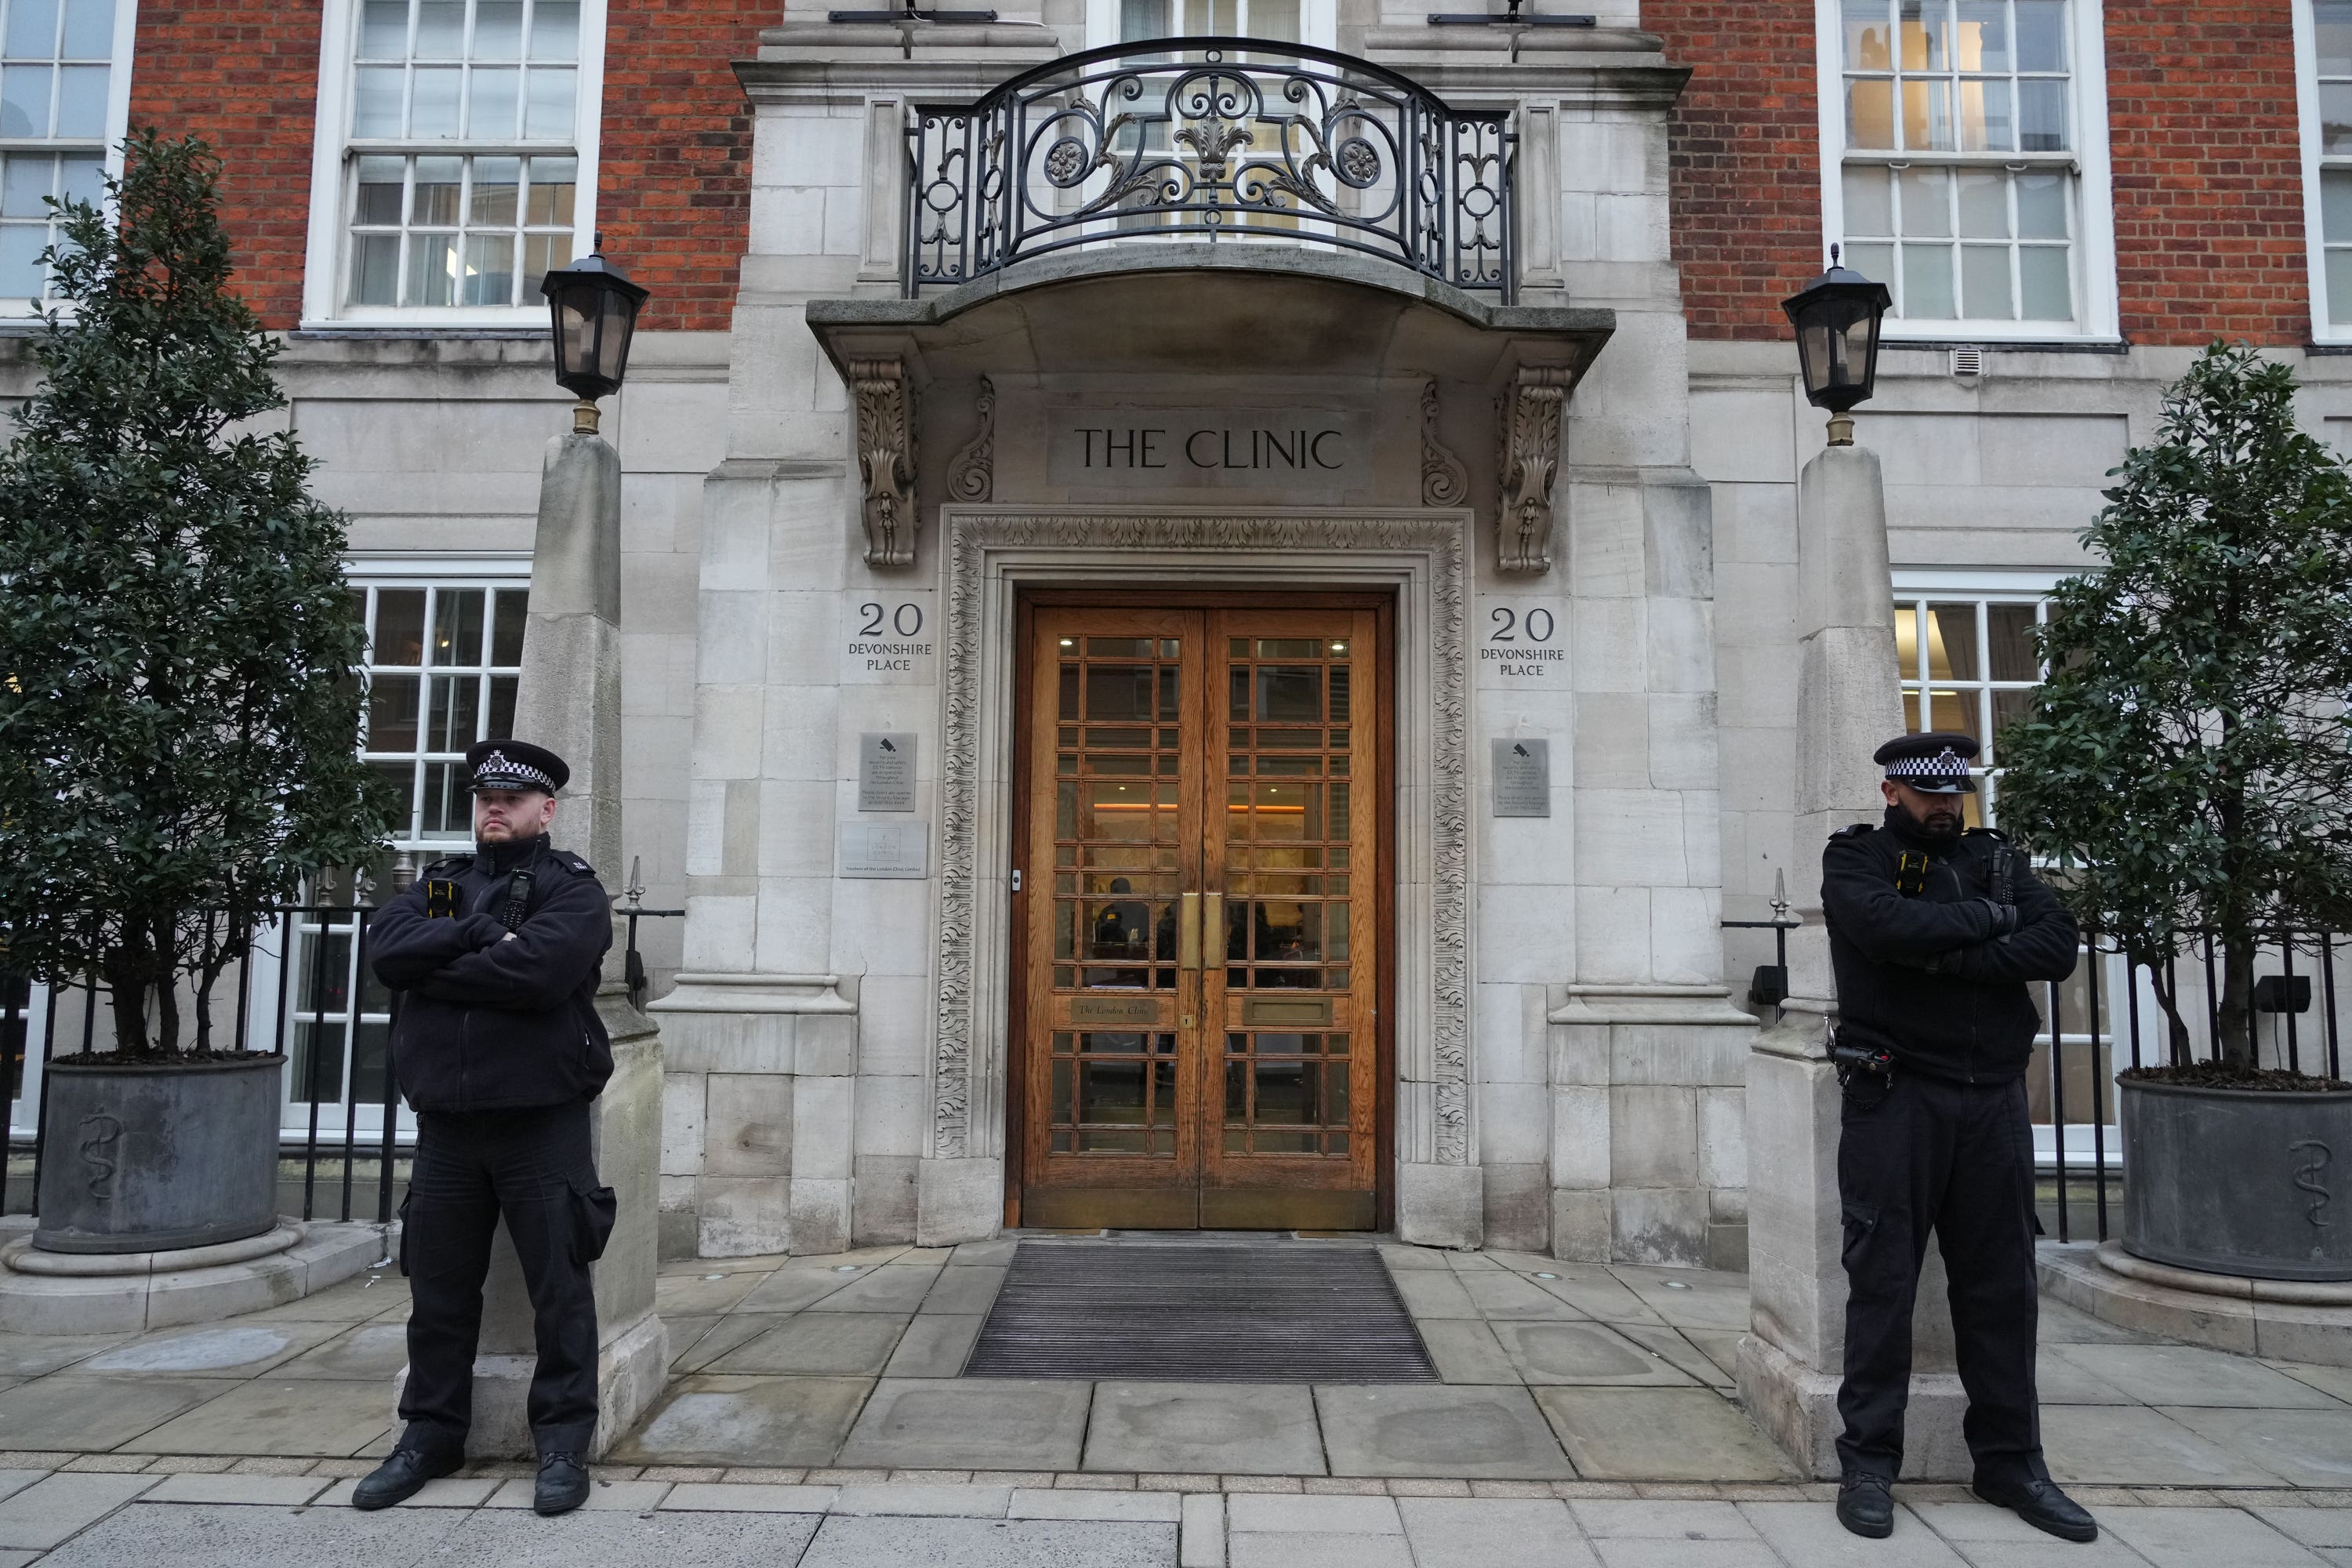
pixel 496 1044
pixel 1935 934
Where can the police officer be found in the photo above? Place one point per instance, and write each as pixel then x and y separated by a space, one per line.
pixel 1935 932
pixel 496 1046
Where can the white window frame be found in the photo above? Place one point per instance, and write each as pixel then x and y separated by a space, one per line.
pixel 118 126
pixel 2097 313
pixel 328 256
pixel 1319 23
pixel 2306 114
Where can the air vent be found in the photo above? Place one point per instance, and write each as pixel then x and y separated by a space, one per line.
pixel 1968 361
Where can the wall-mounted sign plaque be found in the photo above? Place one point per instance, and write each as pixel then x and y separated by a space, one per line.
pixel 1522 778
pixel 886 772
pixel 886 848
pixel 891 638
pixel 1140 1010
pixel 1311 450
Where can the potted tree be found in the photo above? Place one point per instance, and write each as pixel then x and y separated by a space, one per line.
pixel 179 707
pixel 2188 766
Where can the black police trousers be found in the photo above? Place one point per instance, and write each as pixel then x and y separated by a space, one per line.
pixel 534 1168
pixel 1956 1158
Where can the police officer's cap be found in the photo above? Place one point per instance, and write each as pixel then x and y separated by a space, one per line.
pixel 514 765
pixel 1936 763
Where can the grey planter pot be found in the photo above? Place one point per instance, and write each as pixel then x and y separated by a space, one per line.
pixel 146 1158
pixel 2235 1180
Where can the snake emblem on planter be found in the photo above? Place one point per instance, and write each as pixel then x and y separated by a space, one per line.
pixel 98 1153
pixel 2306 1177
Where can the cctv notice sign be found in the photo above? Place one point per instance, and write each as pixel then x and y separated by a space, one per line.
pixel 886 772
pixel 1522 778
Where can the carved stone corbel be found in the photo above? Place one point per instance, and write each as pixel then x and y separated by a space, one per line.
pixel 973 476
pixel 886 458
pixel 1526 430
pixel 1444 480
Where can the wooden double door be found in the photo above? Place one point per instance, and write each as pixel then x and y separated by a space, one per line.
pixel 1197 1011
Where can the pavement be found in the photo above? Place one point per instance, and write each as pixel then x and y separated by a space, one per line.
pixel 814 1416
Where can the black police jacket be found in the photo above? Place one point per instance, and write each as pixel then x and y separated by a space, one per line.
pixel 485 1023
pixel 1939 976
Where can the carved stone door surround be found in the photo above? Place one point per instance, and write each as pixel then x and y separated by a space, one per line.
pixel 1425 555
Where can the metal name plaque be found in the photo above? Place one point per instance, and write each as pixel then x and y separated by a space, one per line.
pixel 1522 778
pixel 886 848
pixel 1309 450
pixel 886 772
pixel 1114 1010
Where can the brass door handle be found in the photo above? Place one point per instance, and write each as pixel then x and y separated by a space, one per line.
pixel 1213 927
pixel 1188 930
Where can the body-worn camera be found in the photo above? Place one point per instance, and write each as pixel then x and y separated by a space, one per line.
pixel 440 900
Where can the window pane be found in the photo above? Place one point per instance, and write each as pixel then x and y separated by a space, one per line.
pixel 1985 123
pixel 81 102
pixel 2046 277
pixel 457 627
pixel 1952 642
pixel 1981 43
pixel 2010 627
pixel 1927 116
pixel 1875 262
pixel 377 200
pixel 2335 205
pixel 24 101
pixel 375 270
pixel 432 269
pixel 551 185
pixel 542 254
pixel 2334 19
pixel 498 29
pixel 436 198
pixel 490 112
pixel 2041 116
pixel 32 30
pixel 547 114
pixel 89 29
pixel 399 627
pixel 433 108
pixel 21 277
pixel 493 201
pixel 2336 116
pixel 506 632
pixel 1984 204
pixel 1868 207
pixel 27 184
pixel 440 29
pixel 555 30
pixel 1276 19
pixel 1927 28
pixel 81 180
pixel 384 30
pixel 502 705
pixel 1984 282
pixel 2041 35
pixel 1866 36
pixel 1928 281
pixel 1870 114
pixel 391 713
pixel 490 270
pixel 2042 205
pixel 1927 201
pixel 375 101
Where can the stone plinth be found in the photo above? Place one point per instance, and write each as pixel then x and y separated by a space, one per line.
pixel 125 1292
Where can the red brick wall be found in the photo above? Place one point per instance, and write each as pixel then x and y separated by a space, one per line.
pixel 674 180
pixel 1744 155
pixel 2208 173
pixel 246 76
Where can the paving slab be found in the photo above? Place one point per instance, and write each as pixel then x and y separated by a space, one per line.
pixel 49 1510
pixel 1680 1349
pixel 230 1536
pixel 2135 1446
pixel 817 1343
pixel 790 1290
pixel 713 1420
pixel 633 1497
pixel 14 1481
pixel 1243 1429
pixel 1073 1502
pixel 1427 1293
pixel 277 1416
pixel 1499 1293
pixel 726 1333
pixel 1398 1255
pixel 1596 1292
pixel 2333 1381
pixel 283 1492
pixel 893 1287
pixel 935 1344
pixel 447 1491
pixel 967 1289
pixel 845 1543
pixel 753 1496
pixel 507 1538
pixel 37 1355
pixel 1465 1349
pixel 1660 1434
pixel 1588 1352
pixel 1664 1519
pixel 1493 1433
pixel 711 1292
pixel 1323 1515
pixel 366 1352
pixel 686 1330
pixel 1493 1532
pixel 1690 1298
pixel 1201 1542
pixel 355 1301
pixel 999 1251
pixel 2060 1380
pixel 1808 1533
pixel 2191 1374
pixel 946 1423
pixel 2062 1324
pixel 84 1413
pixel 918 1499
pixel 1633 1551
pixel 2311 1526
pixel 1252 1550
pixel 2302 1448
pixel 2204 1538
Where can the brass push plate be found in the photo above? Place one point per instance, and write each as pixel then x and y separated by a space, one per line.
pixel 1144 1010
pixel 1263 1011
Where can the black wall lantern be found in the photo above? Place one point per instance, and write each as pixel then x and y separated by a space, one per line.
pixel 1837 320
pixel 596 310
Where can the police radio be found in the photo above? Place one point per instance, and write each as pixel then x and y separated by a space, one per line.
pixel 1911 873
pixel 518 900
pixel 440 900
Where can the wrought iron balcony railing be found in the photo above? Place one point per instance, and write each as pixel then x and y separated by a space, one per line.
pixel 1235 139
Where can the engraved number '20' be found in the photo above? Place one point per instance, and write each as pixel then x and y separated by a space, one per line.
pixel 907 620
pixel 1538 624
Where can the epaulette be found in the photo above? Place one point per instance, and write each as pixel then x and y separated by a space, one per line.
pixel 447 866
pixel 1856 829
pixel 573 864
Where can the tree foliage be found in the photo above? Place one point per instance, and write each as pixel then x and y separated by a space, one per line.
pixel 2188 760
pixel 178 698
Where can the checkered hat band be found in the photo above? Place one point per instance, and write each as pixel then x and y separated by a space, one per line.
pixel 498 769
pixel 1946 764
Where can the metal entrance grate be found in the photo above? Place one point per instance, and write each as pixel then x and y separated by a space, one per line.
pixel 1200 1313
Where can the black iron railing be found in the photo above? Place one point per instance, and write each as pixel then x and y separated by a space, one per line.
pixel 1216 138
pixel 307 989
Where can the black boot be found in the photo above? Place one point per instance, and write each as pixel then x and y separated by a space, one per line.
pixel 402 1477
pixel 562 1484
pixel 1865 1506
pixel 2039 1502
